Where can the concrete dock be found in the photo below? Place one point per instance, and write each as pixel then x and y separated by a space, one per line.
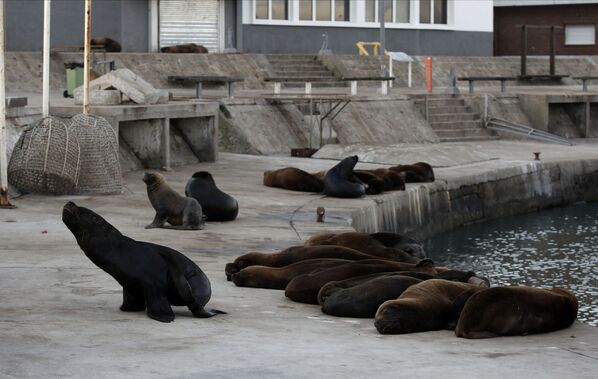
pixel 59 313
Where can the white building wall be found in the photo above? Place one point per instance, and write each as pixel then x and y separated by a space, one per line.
pixel 471 15
pixel 527 3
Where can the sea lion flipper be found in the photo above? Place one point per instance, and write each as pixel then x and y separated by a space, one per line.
pixel 201 312
pixel 178 277
pixel 132 303
pixel 158 307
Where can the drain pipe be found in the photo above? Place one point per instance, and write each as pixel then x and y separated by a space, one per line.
pixel 4 202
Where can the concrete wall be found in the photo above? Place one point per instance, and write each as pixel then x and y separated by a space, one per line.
pixel 276 39
pixel 124 21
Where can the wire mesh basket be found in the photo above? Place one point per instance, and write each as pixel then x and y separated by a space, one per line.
pixel 46 159
pixel 100 165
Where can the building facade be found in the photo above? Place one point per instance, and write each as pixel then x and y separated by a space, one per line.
pixel 574 23
pixel 418 27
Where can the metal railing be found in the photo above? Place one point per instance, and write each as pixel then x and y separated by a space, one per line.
pixel 523 130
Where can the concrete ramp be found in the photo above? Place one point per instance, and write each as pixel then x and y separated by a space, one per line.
pixel 445 155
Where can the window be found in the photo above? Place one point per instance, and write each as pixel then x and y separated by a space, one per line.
pixel 580 35
pixel 394 10
pixel 432 11
pixel 324 10
pixel 271 9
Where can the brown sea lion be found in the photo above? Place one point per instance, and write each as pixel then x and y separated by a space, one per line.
pixel 293 179
pixel 375 184
pixel 516 310
pixel 181 212
pixel 393 180
pixel 361 296
pixel 279 277
pixel 419 172
pixel 365 243
pixel 305 288
pixel 186 48
pixel 291 255
pixel 423 307
pixel 108 44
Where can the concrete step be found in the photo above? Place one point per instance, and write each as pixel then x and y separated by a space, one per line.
pixel 283 57
pixel 443 102
pixel 462 132
pixel 468 138
pixel 294 61
pixel 433 110
pixel 316 85
pixel 299 67
pixel 453 117
pixel 451 125
pixel 318 74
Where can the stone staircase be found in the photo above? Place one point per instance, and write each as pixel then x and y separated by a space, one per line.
pixel 300 65
pixel 452 120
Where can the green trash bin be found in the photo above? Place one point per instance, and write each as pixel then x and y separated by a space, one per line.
pixel 74 78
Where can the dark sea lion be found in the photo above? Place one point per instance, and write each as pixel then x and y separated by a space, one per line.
pixel 401 242
pixel 422 307
pixel 292 255
pixel 375 184
pixel 305 288
pixel 293 179
pixel 419 172
pixel 367 244
pixel 186 48
pixel 215 204
pixel 508 311
pixel 108 44
pixel 340 181
pixel 278 277
pixel 361 297
pixel 394 180
pixel 181 212
pixel 152 276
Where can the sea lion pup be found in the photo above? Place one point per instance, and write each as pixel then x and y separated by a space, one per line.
pixel 152 276
pixel 108 44
pixel 186 48
pixel 305 288
pixel 375 184
pixel 293 179
pixel 215 204
pixel 420 172
pixel 422 307
pixel 508 311
pixel 340 181
pixel 361 296
pixel 366 244
pixel 291 255
pixel 181 212
pixel 278 277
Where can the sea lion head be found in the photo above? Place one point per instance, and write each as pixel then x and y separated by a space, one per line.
pixel 85 223
pixel 230 269
pixel 204 175
pixel 153 180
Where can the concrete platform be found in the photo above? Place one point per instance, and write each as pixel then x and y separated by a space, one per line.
pixel 59 313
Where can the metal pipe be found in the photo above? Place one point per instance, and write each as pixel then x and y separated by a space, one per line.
pixel 4 202
pixel 86 65
pixel 46 61
pixel 381 7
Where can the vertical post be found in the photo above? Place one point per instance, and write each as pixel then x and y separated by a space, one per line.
pixel 353 87
pixel 46 61
pixel 384 87
pixel 588 109
pixel 428 62
pixel 308 88
pixel 409 74
pixel 390 70
pixel 166 144
pixel 524 51
pixel 485 109
pixel 4 202
pixel 86 66
pixel 239 24
pixel 381 7
pixel 277 88
pixel 552 50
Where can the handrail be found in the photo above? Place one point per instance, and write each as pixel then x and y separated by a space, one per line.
pixel 361 47
pixel 524 130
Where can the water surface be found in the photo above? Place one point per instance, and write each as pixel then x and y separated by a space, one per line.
pixel 551 248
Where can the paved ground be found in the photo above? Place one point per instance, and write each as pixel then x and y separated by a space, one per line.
pixel 59 313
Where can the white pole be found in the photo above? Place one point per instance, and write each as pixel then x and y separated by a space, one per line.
pixel 409 75
pixel 86 54
pixel 4 203
pixel 390 70
pixel 46 68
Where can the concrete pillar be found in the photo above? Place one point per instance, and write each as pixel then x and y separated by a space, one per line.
pixel 165 144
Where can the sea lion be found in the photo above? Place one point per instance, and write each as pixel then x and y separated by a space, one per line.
pixel 375 184
pixel 293 179
pixel 394 181
pixel 152 276
pixel 215 204
pixel 420 172
pixel 340 181
pixel 516 310
pixel 422 307
pixel 186 48
pixel 305 288
pixel 291 255
pixel 401 242
pixel 181 212
pixel 278 277
pixel 361 296
pixel 108 44
pixel 367 244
